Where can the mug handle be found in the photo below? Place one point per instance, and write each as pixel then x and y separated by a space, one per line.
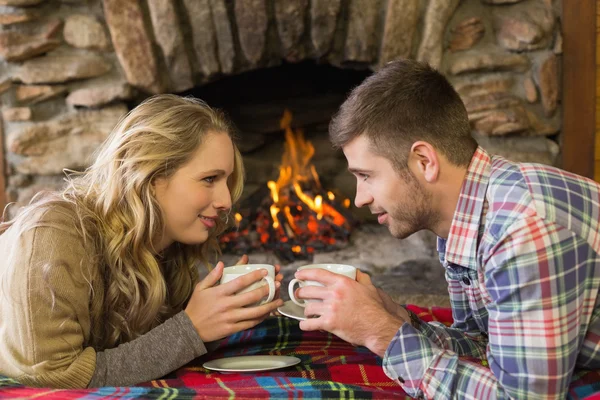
pixel 291 292
pixel 271 284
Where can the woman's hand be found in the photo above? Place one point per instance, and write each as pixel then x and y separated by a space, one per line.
pixel 278 277
pixel 243 260
pixel 217 312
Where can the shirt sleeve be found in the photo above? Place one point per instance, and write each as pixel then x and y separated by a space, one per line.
pixel 535 285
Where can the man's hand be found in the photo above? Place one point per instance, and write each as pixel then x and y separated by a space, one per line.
pixel 352 310
pixel 392 307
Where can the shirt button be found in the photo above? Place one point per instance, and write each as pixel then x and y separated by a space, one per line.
pixel 466 281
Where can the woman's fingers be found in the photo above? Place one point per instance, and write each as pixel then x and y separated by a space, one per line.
pixel 243 260
pixel 257 312
pixel 363 278
pixel 242 282
pixel 247 324
pixel 253 296
pixel 212 278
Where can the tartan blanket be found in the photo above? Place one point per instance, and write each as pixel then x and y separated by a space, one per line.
pixel 330 369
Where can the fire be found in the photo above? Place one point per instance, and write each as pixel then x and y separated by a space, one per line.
pixel 301 216
pixel 297 170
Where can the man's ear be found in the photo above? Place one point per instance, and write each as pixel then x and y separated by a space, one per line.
pixel 425 160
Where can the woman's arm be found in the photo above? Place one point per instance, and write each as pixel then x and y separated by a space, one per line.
pixel 47 287
pixel 155 354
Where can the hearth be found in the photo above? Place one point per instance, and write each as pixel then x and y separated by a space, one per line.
pixel 298 197
pixel 297 216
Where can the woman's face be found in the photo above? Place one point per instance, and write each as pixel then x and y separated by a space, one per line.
pixel 193 197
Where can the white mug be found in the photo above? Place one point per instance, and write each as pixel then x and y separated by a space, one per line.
pixel 342 269
pixel 231 273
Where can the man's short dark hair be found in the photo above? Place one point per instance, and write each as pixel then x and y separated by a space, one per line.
pixel 404 102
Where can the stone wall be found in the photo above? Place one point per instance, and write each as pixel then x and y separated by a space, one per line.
pixel 71 68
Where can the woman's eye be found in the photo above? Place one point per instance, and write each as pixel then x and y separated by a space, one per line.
pixel 210 179
pixel 363 177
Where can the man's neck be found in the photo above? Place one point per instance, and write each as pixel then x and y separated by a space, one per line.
pixel 446 197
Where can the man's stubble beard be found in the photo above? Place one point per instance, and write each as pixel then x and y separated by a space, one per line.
pixel 415 213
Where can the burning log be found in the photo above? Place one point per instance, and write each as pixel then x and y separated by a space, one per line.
pixel 296 217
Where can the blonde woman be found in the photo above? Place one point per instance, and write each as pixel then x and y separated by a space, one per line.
pixel 99 283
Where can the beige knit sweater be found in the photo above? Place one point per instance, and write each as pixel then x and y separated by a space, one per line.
pixel 47 279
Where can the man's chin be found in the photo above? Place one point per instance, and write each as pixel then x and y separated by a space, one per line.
pixel 399 233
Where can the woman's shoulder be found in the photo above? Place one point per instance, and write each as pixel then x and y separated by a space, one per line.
pixel 54 220
pixel 55 214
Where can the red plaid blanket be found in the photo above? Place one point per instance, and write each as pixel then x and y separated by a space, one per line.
pixel 330 369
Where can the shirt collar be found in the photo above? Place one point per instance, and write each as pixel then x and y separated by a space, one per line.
pixel 461 245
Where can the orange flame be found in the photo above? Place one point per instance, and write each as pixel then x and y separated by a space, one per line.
pixel 295 170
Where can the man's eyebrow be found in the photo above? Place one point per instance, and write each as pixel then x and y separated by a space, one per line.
pixel 358 170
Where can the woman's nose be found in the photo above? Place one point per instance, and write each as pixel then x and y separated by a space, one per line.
pixel 222 199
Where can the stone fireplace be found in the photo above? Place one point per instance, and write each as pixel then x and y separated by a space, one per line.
pixel 72 68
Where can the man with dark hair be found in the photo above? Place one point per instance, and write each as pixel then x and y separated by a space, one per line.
pixel 520 244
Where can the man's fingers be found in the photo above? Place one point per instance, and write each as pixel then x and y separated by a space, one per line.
pixel 311 324
pixel 212 278
pixel 312 292
pixel 315 308
pixel 320 275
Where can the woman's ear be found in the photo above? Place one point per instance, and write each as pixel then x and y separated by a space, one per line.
pixel 425 160
pixel 152 187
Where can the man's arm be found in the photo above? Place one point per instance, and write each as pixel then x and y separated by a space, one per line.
pixel 535 278
pixel 464 342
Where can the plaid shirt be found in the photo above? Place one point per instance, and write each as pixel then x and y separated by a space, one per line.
pixel 523 268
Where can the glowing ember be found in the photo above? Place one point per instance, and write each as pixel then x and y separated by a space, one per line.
pixel 298 217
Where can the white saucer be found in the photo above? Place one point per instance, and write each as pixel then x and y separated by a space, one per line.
pixel 292 310
pixel 251 363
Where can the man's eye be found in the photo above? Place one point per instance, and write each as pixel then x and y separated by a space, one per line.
pixel 364 177
pixel 210 179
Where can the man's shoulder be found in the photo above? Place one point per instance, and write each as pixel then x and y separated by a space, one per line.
pixel 544 182
pixel 507 190
pixel 519 190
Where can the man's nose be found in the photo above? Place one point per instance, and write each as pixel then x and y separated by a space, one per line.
pixel 362 197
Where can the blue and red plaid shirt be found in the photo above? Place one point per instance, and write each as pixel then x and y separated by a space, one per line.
pixel 522 262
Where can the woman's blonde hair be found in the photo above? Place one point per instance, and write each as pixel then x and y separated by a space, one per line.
pixel 120 217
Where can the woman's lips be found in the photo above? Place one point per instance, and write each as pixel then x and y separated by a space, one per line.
pixel 208 222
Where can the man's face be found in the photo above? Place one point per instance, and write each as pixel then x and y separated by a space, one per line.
pixel 398 200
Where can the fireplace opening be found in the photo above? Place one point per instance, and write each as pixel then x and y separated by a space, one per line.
pixel 298 194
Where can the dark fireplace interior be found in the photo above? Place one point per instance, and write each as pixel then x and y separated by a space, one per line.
pixel 298 197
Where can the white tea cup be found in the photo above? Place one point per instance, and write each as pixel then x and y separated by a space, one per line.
pixel 231 273
pixel 342 269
